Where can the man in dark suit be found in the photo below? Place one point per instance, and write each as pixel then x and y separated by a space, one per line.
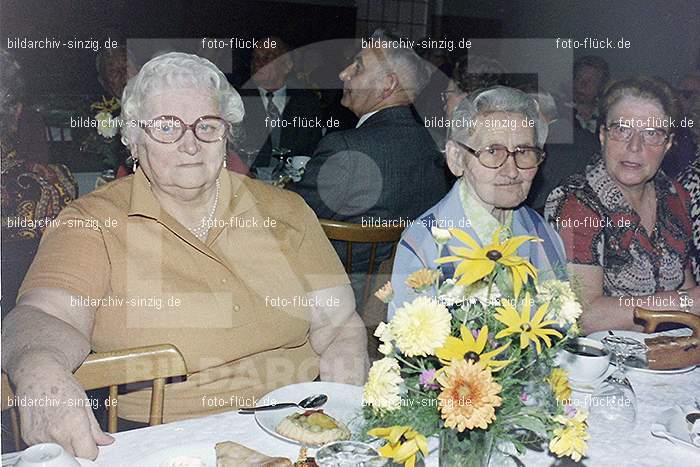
pixel 387 170
pixel 279 112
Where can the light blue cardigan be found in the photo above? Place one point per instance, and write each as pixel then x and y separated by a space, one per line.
pixel 417 248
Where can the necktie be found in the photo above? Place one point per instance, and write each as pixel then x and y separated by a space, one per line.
pixel 275 116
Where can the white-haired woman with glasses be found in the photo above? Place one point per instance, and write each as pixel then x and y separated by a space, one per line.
pixel 494 147
pixel 238 275
pixel 624 223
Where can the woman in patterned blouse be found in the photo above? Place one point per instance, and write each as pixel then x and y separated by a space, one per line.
pixel 624 223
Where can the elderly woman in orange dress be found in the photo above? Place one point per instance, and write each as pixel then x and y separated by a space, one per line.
pixel 238 275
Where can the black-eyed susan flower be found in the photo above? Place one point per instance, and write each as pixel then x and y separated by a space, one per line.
pixel 476 262
pixel 403 444
pixel 530 328
pixel 469 348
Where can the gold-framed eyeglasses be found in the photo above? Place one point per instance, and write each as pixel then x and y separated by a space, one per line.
pixel 650 136
pixel 495 155
pixel 170 129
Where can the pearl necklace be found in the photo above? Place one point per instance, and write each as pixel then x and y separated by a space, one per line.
pixel 203 229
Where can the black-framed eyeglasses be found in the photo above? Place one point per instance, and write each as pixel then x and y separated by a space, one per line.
pixel 170 129
pixel 650 136
pixel 495 155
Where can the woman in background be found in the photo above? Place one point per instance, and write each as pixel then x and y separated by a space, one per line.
pixel 33 191
pixel 624 223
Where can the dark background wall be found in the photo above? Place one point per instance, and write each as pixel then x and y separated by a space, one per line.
pixel 73 71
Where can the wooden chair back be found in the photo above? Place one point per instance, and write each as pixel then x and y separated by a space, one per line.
pixel 355 233
pixel 153 363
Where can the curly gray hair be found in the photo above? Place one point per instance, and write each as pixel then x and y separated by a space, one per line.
pixel 497 99
pixel 176 70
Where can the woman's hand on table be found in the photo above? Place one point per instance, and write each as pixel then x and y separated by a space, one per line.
pixel 65 415
pixel 46 337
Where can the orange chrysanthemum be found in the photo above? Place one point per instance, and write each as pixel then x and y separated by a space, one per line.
pixel 469 396
pixel 422 279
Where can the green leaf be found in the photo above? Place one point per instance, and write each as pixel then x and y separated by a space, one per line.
pixel 531 424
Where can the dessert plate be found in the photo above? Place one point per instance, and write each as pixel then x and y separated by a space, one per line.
pixel 176 456
pixel 639 364
pixel 344 404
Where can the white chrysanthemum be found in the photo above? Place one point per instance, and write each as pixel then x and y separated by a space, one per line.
pixel 441 236
pixel 383 332
pixel 451 293
pixel 420 327
pixel 385 348
pixel 569 312
pixel 564 306
pixel 382 390
pixel 479 292
pixel 107 126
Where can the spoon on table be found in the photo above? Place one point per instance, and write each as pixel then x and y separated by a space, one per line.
pixel 310 402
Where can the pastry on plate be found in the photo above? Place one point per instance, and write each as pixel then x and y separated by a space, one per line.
pixel 312 427
pixel 230 454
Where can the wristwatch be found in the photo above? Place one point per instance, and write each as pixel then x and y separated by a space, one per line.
pixel 684 299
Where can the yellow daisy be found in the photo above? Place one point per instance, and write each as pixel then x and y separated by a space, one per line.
pixel 570 438
pixel 469 348
pixel 420 327
pixel 559 382
pixel 469 396
pixel 404 444
pixel 530 328
pixel 477 262
pixel 422 279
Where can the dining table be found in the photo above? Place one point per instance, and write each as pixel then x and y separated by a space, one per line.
pixel 614 446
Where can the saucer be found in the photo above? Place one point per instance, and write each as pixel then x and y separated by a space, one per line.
pixel 589 386
pixel 671 425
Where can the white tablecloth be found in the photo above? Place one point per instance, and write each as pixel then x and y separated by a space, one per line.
pixel 655 393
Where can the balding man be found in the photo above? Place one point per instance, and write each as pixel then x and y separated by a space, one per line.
pixel 279 112
pixel 388 169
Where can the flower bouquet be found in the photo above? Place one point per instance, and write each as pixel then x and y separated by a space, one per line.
pixel 471 360
pixel 105 141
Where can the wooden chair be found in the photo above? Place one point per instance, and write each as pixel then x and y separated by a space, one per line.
pixel 111 369
pixel 356 233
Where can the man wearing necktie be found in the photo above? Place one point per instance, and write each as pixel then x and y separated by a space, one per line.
pixel 272 100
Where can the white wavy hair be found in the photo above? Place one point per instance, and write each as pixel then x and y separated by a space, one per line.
pixel 497 99
pixel 176 70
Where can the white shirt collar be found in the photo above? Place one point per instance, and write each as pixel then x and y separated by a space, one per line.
pixel 279 97
pixel 365 117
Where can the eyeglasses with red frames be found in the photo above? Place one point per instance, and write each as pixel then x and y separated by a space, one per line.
pixel 650 136
pixel 170 129
pixel 495 155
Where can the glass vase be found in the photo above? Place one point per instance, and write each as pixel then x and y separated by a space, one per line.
pixel 468 449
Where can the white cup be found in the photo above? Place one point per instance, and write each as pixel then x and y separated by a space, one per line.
pixel 46 455
pixel 584 368
pixel 298 162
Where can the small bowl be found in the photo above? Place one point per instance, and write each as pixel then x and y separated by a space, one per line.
pixel 584 368
pixel 348 454
pixel 46 455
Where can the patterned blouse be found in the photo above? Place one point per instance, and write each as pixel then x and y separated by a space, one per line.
pixel 690 179
pixel 32 195
pixel 599 227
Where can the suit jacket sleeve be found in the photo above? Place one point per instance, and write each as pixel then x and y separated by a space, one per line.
pixel 327 177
